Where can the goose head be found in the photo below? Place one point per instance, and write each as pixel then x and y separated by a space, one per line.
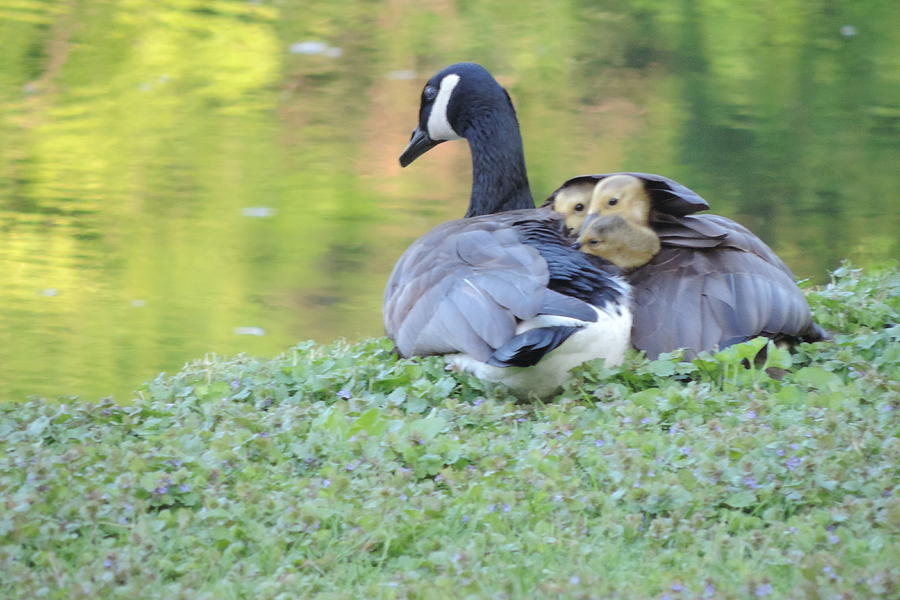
pixel 617 224
pixel 464 101
pixel 626 244
pixel 573 203
pixel 624 196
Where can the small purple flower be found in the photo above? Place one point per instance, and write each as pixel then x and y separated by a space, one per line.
pixel 491 508
pixel 345 394
pixel 350 466
pixel 645 420
pixel 750 414
pixel 108 563
pixel 709 591
pixel 686 450
pixel 793 462
pixel 159 491
pixel 507 508
pixel 326 483
pixel 599 443
pixel 478 402
pixel 677 587
pixel 465 518
pixel 779 452
pixel 626 420
pixel 404 497
pixel 763 589
pixel 791 529
pixel 574 579
pixel 184 487
pixel 235 384
pixel 750 482
pixel 833 539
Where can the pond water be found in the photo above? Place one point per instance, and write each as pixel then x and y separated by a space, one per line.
pixel 181 178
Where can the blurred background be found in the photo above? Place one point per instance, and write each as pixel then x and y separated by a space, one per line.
pixel 179 177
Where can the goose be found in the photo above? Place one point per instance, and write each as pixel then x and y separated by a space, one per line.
pixel 501 293
pixel 707 283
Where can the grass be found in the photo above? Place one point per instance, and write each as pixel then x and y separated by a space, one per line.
pixel 342 472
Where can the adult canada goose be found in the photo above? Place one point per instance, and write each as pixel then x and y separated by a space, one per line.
pixel 707 283
pixel 504 295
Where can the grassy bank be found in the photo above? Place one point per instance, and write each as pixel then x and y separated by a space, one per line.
pixel 341 471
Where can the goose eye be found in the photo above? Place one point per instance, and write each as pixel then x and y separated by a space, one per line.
pixel 613 201
pixel 593 242
pixel 430 93
pixel 579 207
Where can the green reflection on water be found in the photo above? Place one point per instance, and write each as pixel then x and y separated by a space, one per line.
pixel 135 135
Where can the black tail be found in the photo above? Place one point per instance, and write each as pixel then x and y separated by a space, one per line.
pixel 526 349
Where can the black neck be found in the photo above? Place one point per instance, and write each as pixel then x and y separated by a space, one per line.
pixel 499 178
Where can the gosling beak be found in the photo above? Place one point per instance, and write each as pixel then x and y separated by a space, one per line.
pixel 419 144
pixel 587 221
pixel 576 245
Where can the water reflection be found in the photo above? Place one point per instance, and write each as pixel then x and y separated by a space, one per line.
pixel 176 181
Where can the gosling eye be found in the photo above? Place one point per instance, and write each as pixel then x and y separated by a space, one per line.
pixel 429 93
pixel 593 243
pixel 613 201
pixel 579 207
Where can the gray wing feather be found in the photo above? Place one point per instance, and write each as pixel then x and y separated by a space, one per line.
pixel 460 288
pixel 712 284
pixel 565 306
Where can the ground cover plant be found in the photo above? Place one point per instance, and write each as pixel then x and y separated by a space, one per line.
pixel 342 472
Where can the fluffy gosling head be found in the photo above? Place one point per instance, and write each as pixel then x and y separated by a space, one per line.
pixel 619 241
pixel 572 202
pixel 622 195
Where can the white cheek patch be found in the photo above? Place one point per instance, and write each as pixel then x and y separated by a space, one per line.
pixel 438 126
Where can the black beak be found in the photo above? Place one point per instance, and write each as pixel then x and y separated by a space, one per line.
pixel 418 145
pixel 575 245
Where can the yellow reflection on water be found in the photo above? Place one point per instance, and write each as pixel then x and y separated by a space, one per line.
pixel 181 177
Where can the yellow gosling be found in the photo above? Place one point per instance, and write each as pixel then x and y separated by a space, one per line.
pixel 625 244
pixel 572 203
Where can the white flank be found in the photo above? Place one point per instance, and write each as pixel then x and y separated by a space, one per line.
pixel 438 126
pixel 607 338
